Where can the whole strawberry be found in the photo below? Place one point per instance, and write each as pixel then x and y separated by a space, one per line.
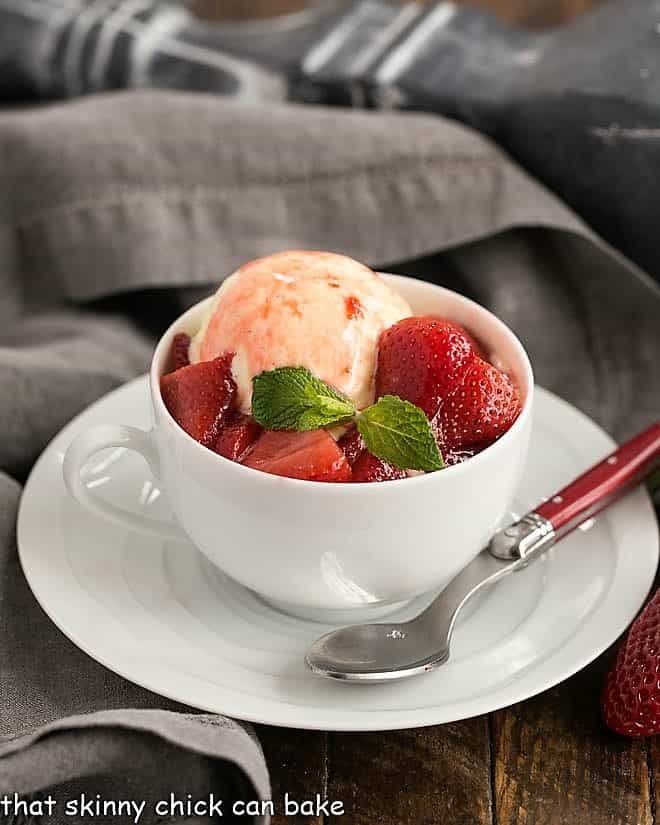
pixel 420 359
pixel 437 365
pixel 479 408
pixel 631 698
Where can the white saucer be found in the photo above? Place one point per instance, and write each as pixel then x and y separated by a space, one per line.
pixel 161 616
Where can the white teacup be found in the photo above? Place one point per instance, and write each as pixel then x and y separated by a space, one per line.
pixel 324 550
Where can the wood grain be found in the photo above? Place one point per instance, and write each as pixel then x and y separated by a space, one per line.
pixel 427 776
pixel 653 747
pixel 556 764
pixel 534 12
pixel 537 13
pixel 297 761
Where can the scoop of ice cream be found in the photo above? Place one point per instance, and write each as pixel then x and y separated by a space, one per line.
pixel 301 309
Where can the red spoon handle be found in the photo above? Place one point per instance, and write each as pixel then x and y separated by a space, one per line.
pixel 599 486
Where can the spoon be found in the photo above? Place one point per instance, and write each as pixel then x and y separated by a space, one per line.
pixel 387 651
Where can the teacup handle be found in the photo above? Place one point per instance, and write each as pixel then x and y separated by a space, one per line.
pixel 98 438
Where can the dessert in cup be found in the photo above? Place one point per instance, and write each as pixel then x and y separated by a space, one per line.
pixel 331 438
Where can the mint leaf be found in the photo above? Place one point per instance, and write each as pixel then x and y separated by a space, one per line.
pixel 293 398
pixel 398 432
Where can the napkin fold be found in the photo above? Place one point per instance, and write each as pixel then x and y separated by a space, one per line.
pixel 132 765
pixel 117 212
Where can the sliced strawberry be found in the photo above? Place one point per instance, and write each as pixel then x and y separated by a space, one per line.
pixel 238 434
pixel 369 468
pixel 199 397
pixel 453 457
pixel 352 445
pixel 420 359
pixel 631 698
pixel 479 408
pixel 179 354
pixel 436 429
pixel 314 456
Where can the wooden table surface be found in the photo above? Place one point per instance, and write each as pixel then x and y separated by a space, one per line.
pixel 528 12
pixel 546 761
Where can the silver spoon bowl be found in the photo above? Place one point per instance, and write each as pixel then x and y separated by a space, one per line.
pixel 385 651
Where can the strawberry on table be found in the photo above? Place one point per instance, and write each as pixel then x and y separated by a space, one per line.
pixel 369 468
pixel 631 698
pixel 420 359
pixel 313 455
pixel 482 406
pixel 199 397
pixel 238 434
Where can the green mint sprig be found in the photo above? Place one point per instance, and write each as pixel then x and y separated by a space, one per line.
pixel 293 398
pixel 399 432
pixel 394 430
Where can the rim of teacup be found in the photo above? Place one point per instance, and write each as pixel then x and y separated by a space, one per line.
pixel 184 324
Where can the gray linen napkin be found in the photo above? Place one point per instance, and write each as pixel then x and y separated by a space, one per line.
pixel 116 212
